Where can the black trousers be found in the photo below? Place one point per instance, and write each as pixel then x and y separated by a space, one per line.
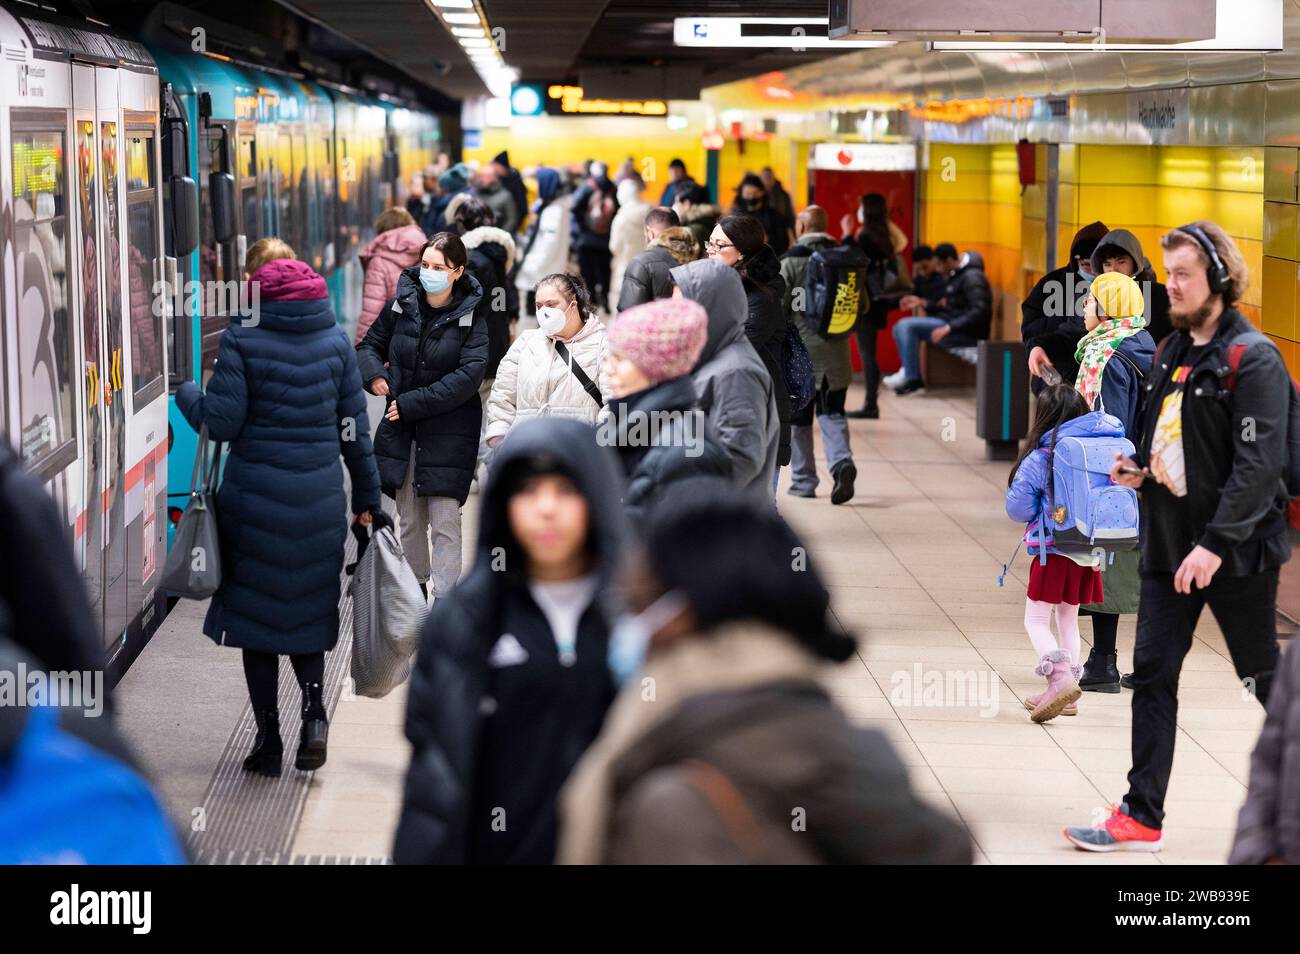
pixel 1244 607
pixel 262 673
pixel 868 334
pixel 594 263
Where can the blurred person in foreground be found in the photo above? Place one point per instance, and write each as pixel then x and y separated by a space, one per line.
pixel 723 747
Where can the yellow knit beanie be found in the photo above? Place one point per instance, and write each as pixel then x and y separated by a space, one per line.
pixel 1118 295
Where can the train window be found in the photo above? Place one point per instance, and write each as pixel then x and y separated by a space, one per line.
pixel 46 347
pixel 142 256
pixel 112 235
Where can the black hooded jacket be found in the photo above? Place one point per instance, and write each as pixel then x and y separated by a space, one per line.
pixel 689 447
pixel 969 302
pixel 434 360
pixel 766 327
pixel 492 732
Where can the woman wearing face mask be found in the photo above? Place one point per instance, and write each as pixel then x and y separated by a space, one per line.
pixel 555 368
pixel 426 354
pixel 652 348
pixel 737 241
pixel 734 640
pixel 511 681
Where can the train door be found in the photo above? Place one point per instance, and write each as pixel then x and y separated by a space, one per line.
pixel 98 249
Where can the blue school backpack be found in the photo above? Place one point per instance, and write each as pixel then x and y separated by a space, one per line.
pixel 1083 511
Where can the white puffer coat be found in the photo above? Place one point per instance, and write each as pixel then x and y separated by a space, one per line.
pixel 534 381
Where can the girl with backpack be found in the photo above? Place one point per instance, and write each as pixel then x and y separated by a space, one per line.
pixel 1058 583
pixel 1114 359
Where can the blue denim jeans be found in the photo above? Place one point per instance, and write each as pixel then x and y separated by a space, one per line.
pixel 908 335
pixel 829 410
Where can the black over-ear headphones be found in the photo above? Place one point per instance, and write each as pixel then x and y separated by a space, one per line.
pixel 1217 273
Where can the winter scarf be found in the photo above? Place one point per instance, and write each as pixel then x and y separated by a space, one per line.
pixel 1095 349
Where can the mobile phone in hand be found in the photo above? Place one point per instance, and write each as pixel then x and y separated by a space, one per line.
pixel 1135 471
pixel 1051 377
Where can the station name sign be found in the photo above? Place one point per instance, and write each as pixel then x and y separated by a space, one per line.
pixel 1161 117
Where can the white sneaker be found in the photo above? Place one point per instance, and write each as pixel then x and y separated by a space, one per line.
pixel 894 381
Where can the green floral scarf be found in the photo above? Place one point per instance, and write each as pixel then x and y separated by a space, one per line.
pixel 1095 349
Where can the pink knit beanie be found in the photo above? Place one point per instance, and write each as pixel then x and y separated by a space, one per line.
pixel 663 338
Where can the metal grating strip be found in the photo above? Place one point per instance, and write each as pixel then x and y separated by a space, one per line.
pixel 251 819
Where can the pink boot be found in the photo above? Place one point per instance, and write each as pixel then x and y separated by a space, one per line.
pixel 1062 686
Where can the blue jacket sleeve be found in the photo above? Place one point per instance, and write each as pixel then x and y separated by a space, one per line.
pixel 225 403
pixel 354 434
pixel 1025 495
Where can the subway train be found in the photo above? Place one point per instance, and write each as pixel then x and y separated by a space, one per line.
pixel 130 170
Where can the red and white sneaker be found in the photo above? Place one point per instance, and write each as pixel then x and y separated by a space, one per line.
pixel 1120 832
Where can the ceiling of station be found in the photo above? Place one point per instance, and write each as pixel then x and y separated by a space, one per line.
pixel 552 40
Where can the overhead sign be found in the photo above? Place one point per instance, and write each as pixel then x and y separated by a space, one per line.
pixel 564 100
pixel 864 156
pixel 790 33
pixel 1162 117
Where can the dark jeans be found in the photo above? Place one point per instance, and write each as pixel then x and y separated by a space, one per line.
pixel 262 673
pixel 1244 608
pixel 868 334
pixel 594 265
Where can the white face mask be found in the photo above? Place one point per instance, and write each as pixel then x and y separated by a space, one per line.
pixel 551 320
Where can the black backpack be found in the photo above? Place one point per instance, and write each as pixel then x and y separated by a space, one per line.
pixel 835 290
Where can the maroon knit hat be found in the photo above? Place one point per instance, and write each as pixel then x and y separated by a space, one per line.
pixel 663 338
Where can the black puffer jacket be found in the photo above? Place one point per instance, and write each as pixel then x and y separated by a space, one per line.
pixel 436 359
pixel 766 326
pixel 688 448
pixel 498 727
pixel 969 308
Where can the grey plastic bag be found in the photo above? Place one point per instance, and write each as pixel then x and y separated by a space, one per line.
pixel 193 567
pixel 387 612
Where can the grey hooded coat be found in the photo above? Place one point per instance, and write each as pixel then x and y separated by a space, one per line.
pixel 734 387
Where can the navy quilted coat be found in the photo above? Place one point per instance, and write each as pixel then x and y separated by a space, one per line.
pixel 286 394
pixel 434 360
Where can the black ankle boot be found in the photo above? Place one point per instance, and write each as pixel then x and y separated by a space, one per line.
pixel 1100 673
pixel 268 751
pixel 315 728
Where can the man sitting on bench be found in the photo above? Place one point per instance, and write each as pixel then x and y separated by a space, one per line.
pixel 960 319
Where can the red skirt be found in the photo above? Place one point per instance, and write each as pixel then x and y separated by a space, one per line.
pixel 1064 581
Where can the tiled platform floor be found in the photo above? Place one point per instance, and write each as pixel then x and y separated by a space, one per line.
pixel 913 561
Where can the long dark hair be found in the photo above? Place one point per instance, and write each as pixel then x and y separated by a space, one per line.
pixel 875 225
pixel 1056 405
pixel 748 235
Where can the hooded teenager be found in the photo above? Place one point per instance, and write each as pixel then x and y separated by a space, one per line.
pixel 734 387
pixel 286 395
pixel 427 353
pixel 511 681
pixel 554 369
pixel 546 249
pixel 741 731
pixel 738 241
pixel 652 349
pixel 1120 251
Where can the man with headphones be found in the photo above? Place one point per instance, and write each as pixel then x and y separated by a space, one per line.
pixel 1211 463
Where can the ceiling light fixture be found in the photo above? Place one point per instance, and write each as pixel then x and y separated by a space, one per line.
pixel 454 4
pixel 468 31
pixel 470 19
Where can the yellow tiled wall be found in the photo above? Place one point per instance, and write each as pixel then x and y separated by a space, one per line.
pixel 971 197
pixel 1281 267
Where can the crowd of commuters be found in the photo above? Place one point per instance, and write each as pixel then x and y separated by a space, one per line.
pixel 629 671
